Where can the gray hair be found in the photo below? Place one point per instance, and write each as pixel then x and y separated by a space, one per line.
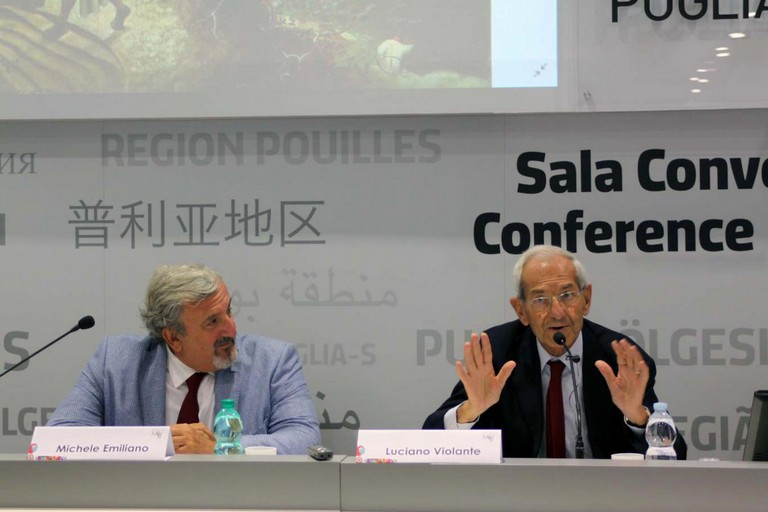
pixel 170 289
pixel 545 253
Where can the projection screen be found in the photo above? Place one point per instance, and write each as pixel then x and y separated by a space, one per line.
pixel 84 59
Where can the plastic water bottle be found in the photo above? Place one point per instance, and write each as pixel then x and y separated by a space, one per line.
pixel 660 432
pixel 228 427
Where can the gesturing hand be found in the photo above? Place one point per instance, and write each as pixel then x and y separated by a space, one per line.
pixel 482 384
pixel 627 387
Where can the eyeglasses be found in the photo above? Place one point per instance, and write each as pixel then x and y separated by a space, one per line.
pixel 566 299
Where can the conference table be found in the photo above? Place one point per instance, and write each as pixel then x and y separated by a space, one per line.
pixel 300 483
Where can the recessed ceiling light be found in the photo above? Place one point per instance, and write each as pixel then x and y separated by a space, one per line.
pixel 737 35
pixel 722 49
pixel 695 91
pixel 702 70
pixel 694 79
pixel 724 54
pixel 704 80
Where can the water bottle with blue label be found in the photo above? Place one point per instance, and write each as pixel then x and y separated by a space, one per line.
pixel 228 428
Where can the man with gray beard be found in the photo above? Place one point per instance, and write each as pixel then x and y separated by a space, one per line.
pixel 193 342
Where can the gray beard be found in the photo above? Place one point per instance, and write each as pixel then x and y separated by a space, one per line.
pixel 226 359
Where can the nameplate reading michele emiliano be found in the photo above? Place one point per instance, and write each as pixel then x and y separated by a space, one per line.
pixel 100 443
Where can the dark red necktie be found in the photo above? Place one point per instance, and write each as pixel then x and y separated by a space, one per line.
pixel 189 408
pixel 555 415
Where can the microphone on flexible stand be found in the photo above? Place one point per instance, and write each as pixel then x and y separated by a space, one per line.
pixel 560 340
pixel 84 323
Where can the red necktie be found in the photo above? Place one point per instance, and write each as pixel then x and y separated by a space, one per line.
pixel 189 408
pixel 555 415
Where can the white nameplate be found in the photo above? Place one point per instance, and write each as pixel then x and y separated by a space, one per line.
pixel 436 446
pixel 100 443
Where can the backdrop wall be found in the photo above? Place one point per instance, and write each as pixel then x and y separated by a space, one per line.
pixel 374 244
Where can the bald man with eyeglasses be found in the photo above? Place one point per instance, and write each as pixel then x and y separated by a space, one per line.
pixel 504 381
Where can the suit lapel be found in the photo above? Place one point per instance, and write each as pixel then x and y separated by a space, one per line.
pixel 527 381
pixel 152 384
pixel 226 386
pixel 596 393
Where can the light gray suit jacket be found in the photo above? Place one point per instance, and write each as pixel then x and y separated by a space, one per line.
pixel 124 385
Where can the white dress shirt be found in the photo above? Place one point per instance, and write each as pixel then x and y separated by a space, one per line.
pixel 569 398
pixel 176 391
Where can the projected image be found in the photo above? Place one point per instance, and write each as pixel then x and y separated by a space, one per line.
pixel 177 46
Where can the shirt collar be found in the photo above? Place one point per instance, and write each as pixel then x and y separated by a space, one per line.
pixel 544 357
pixel 178 372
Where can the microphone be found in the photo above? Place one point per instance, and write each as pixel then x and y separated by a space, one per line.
pixel 84 323
pixel 560 340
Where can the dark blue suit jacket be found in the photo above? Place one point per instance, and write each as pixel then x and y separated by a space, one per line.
pixel 520 410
